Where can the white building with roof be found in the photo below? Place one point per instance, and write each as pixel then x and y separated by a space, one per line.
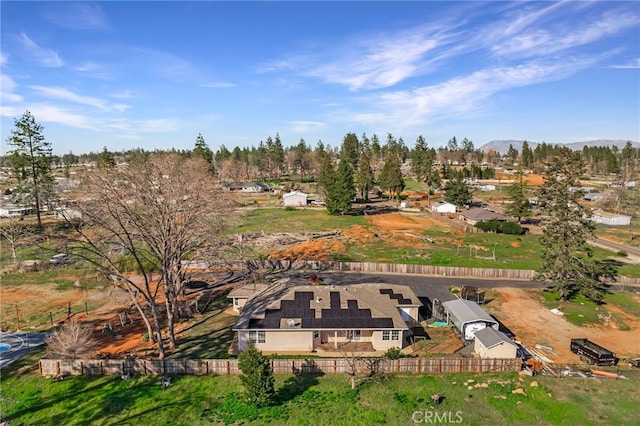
pixel 468 317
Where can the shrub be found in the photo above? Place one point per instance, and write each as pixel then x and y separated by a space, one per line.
pixel 511 228
pixel 257 377
pixel 393 353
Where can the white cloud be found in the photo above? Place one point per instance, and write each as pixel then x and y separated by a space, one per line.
pixel 632 64
pixel 123 95
pixel 87 66
pixel 67 95
pixel 3 58
pixel 305 126
pixel 54 114
pixel 157 125
pixel 44 56
pixel 553 38
pixel 77 16
pixel 464 94
pixel 218 85
pixel 7 88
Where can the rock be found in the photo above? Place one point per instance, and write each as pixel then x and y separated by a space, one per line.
pixel 500 397
pixel 534 384
pixel 519 402
pixel 484 385
pixel 469 387
pixel 470 380
pixel 519 391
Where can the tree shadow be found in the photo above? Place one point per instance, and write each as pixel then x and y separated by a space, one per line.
pixel 302 379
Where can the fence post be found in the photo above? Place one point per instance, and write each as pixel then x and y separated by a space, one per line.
pixel 440 366
pixel 57 368
pixel 228 367
pixel 419 365
pixel 81 368
pixel 101 368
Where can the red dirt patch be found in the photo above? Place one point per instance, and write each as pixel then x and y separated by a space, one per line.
pixel 534 324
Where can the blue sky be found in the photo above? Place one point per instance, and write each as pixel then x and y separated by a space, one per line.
pixel 155 74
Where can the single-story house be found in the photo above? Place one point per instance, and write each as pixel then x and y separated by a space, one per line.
pixel 475 215
pixel 630 184
pixel 11 210
pixel 487 188
pixel 468 317
pixel 492 343
pixel 443 207
pixel 593 196
pixel 613 219
pixel 240 295
pixel 295 199
pixel 287 317
pixel 68 213
pixel 245 187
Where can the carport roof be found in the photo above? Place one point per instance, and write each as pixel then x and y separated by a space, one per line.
pixel 465 311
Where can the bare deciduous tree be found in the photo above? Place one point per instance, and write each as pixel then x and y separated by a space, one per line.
pixel 152 215
pixel 13 230
pixel 73 341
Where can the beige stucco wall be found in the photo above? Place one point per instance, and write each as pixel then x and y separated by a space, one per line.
pixel 383 345
pixel 284 341
pixel 503 350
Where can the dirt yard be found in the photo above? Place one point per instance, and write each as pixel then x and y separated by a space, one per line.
pixel 532 323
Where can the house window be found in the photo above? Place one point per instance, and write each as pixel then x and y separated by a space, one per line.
pixel 236 303
pixel 257 337
pixel 316 335
pixel 390 334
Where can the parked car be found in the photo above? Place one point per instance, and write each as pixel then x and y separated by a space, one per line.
pixel 59 259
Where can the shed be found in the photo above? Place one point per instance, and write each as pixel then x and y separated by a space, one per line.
pixel 468 317
pixel 295 199
pixel 610 218
pixel 491 343
pixel 443 207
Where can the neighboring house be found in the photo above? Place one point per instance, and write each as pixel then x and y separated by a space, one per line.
pixel 487 188
pixel 68 214
pixel 475 215
pixel 443 207
pixel 593 196
pixel 468 317
pixel 630 184
pixel 11 210
pixel 254 187
pixel 613 219
pixel 245 187
pixel 491 343
pixel 295 199
pixel 286 317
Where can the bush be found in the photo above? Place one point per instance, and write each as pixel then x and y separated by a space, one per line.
pixel 511 228
pixel 622 253
pixel 394 353
pixel 257 377
pixel 493 225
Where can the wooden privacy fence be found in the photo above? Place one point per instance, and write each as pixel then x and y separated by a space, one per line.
pixel 53 367
pixel 380 268
pixel 367 267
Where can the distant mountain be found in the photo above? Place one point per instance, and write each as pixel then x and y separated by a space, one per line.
pixel 502 146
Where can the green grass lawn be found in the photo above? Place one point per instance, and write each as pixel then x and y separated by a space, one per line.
pixel 296 220
pixel 29 399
